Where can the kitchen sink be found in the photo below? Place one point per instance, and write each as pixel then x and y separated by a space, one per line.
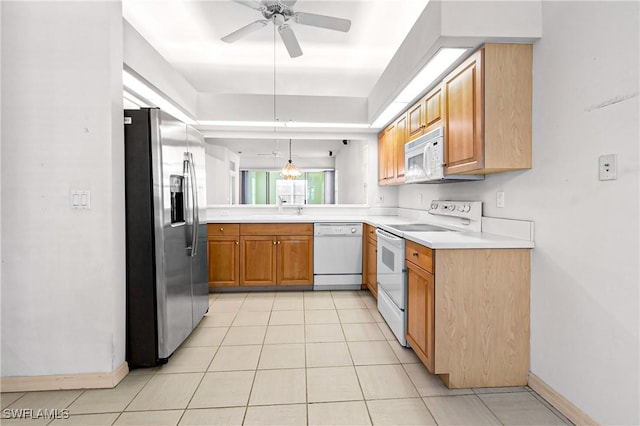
pixel 418 227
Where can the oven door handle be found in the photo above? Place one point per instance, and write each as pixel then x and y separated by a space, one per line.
pixel 387 236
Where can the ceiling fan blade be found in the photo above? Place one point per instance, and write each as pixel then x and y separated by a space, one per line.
pixel 322 21
pixel 288 3
pixel 244 31
pixel 290 41
pixel 250 3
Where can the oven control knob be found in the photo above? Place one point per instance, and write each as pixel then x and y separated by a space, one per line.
pixel 467 208
pixel 434 206
pixel 461 208
pixel 353 230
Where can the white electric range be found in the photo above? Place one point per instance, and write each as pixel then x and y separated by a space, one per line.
pixel 450 216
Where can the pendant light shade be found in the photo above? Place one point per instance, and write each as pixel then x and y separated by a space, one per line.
pixel 290 171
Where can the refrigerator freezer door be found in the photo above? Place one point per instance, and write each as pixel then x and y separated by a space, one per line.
pixel 173 284
pixel 199 274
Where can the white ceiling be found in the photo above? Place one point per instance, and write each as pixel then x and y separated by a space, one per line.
pixel 187 34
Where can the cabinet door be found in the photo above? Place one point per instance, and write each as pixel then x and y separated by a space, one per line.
pixel 223 255
pixel 372 268
pixel 433 109
pixel 415 124
pixel 400 140
pixel 389 153
pixel 463 117
pixel 421 314
pixel 295 260
pixel 257 260
pixel 381 159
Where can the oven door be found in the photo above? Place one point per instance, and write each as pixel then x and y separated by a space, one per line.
pixel 390 264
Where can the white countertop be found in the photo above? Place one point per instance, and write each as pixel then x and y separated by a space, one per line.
pixel 434 240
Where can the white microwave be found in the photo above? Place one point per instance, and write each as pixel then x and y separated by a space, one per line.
pixel 424 158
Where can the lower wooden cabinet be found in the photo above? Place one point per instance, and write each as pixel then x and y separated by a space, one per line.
pixel 468 314
pixel 294 260
pixel 257 260
pixel 223 256
pixel 260 254
pixel 421 313
pixel 369 253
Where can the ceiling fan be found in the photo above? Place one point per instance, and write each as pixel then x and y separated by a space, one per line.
pixel 281 13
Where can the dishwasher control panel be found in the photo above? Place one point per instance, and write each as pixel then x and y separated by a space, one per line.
pixel 338 229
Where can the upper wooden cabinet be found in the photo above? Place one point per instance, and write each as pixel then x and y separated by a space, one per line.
pixel 488 111
pixel 425 115
pixel 433 109
pixel 400 139
pixel 391 152
pixel 415 118
pixel 485 108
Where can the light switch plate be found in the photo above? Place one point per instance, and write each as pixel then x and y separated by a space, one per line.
pixel 500 199
pixel 80 199
pixel 608 167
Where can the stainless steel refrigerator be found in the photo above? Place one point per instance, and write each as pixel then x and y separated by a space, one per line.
pixel 167 289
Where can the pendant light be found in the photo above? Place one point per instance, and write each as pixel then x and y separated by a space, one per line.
pixel 290 171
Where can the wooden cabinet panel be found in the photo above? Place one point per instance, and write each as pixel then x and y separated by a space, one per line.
pixel 276 229
pixel 415 125
pixel 381 159
pixel 433 109
pixel 222 229
pixel 400 140
pixel 389 153
pixel 258 260
pixel 371 271
pixel 420 255
pixel 295 260
pixel 223 257
pixel 421 314
pixel 463 120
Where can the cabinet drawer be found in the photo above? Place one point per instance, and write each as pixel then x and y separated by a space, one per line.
pixel 223 229
pixel 276 229
pixel 419 255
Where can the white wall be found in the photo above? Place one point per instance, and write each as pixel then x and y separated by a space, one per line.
pixel 63 274
pixel 584 290
pixel 351 172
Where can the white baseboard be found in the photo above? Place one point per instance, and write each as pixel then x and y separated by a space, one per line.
pixel 64 381
pixel 559 402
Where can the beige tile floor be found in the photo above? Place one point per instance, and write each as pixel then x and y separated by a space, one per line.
pixel 289 358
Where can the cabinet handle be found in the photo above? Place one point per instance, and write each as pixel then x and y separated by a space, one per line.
pixel 237 243
pixel 221 229
pixel 278 242
pixel 274 243
pixel 415 254
pixel 423 126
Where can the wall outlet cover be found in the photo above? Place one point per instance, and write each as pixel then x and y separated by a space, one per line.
pixel 608 167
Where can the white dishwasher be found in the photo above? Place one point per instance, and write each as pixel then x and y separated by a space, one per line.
pixel 337 256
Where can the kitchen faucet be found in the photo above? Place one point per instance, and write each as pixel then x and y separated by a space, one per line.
pixel 281 202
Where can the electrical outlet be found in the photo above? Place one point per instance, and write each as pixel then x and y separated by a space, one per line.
pixel 608 167
pixel 224 213
pixel 500 199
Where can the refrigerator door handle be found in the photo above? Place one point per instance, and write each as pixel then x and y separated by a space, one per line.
pixel 194 197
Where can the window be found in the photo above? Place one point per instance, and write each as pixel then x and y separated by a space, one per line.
pixel 267 187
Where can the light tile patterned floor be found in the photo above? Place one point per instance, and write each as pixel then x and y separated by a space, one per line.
pixel 289 358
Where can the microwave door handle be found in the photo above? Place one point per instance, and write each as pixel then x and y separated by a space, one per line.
pixel 426 159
